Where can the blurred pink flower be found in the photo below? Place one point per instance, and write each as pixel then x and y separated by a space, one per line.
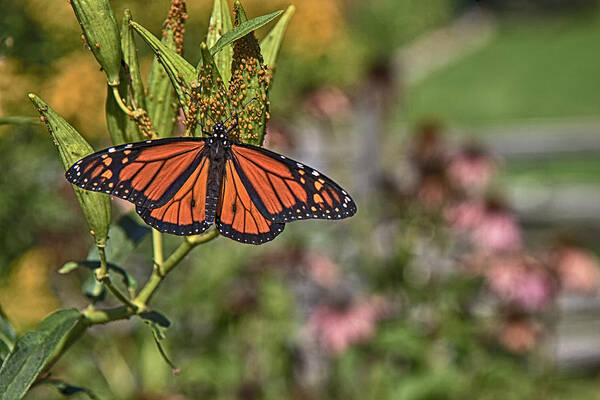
pixel 337 328
pixel 322 269
pixel 466 215
pixel 328 101
pixel 520 281
pixel 498 230
pixel 471 170
pixel 432 191
pixel 519 336
pixel 578 269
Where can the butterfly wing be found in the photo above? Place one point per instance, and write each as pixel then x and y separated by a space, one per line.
pixel 147 174
pixel 238 217
pixel 285 190
pixel 185 212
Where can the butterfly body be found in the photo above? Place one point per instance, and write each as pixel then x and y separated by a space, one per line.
pixel 184 185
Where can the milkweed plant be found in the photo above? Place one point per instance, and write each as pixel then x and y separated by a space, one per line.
pixel 234 69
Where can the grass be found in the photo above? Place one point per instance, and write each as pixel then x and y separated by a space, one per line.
pixel 554 171
pixel 535 68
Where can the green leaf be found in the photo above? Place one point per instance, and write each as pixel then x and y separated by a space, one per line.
pixel 7 336
pixel 71 148
pixel 138 97
pixel 242 30
pixel 158 323
pixel 158 330
pixel 220 23
pixel 180 72
pixel 125 235
pixel 67 267
pixel 121 127
pixel 156 317
pixel 162 106
pixel 67 389
pixel 270 44
pixel 99 26
pixel 92 289
pixel 32 351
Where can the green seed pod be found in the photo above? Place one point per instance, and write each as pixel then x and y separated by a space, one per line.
pixel 249 85
pixel 71 148
pixel 101 32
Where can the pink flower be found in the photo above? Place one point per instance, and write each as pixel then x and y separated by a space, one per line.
pixel 521 282
pixel 322 269
pixel 498 230
pixel 432 191
pixel 471 170
pixel 338 328
pixel 578 269
pixel 519 336
pixel 465 216
pixel 328 101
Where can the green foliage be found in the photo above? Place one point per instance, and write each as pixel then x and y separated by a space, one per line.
pixel 242 30
pixel 270 44
pixel 8 337
pixel 220 23
pixel 180 72
pixel 71 148
pixel 529 69
pixel 121 126
pixel 238 321
pixel 32 351
pixel 99 26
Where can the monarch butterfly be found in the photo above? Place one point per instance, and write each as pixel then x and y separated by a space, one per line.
pixel 183 185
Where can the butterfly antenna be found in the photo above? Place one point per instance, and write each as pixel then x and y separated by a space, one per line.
pixel 213 121
pixel 236 114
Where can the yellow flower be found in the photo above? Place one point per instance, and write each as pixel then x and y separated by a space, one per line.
pixel 77 92
pixel 26 297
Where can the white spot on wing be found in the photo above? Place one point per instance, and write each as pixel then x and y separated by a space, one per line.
pixel 315 173
pixel 111 150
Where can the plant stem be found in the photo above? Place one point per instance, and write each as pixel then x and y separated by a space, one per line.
pixel 113 289
pixel 92 316
pixel 157 276
pixel 119 101
pixel 157 246
pixel 103 270
pixel 103 275
pixel 96 317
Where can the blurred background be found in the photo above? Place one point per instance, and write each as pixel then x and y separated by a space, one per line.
pixel 467 132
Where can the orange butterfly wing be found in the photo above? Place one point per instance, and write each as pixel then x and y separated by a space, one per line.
pixel 185 213
pixel 147 174
pixel 285 190
pixel 238 216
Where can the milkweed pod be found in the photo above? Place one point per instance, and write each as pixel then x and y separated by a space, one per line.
pixel 220 24
pixel 99 26
pixel 72 147
pixel 169 72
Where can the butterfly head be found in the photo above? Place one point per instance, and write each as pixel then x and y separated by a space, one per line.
pixel 219 131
